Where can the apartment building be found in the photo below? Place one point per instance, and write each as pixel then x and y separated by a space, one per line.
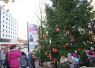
pixel 8 27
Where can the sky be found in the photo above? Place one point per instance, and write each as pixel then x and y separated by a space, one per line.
pixel 26 11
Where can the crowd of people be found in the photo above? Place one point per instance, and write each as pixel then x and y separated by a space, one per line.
pixel 73 60
pixel 15 58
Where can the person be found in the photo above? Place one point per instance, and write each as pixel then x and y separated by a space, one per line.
pixel 31 61
pixel 63 62
pixel 1 62
pixel 3 52
pixel 23 60
pixel 76 62
pixel 70 59
pixel 14 57
pixel 6 60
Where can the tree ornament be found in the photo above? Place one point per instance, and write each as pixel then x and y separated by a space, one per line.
pixel 72 38
pixel 91 48
pixel 54 50
pixel 82 31
pixel 67 43
pixel 57 29
pixel 54 61
pixel 67 32
pixel 75 51
pixel 48 56
pixel 65 46
pixel 79 49
pixel 45 36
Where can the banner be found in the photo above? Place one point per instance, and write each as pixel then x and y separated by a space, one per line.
pixel 32 34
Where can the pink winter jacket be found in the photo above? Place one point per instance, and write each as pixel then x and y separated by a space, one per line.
pixel 13 58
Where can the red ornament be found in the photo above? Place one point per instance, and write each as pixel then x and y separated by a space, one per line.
pixel 65 46
pixel 55 50
pixel 79 49
pixel 48 56
pixel 54 61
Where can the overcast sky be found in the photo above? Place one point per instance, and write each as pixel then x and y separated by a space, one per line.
pixel 26 11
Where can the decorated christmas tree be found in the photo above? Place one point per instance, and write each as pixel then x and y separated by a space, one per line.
pixel 67 29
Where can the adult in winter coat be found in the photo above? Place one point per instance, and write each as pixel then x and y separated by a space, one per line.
pixel 31 61
pixel 14 57
pixel 23 60
pixel 1 59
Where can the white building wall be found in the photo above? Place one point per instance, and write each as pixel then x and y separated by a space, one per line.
pixel 8 25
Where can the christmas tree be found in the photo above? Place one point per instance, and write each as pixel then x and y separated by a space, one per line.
pixel 66 29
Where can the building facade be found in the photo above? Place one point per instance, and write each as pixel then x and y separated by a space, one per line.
pixel 8 27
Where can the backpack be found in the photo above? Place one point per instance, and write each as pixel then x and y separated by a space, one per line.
pixel 13 58
pixel 23 60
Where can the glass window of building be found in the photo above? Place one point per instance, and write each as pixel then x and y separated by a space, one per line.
pixel 3 25
pixel 3 12
pixel 6 14
pixel 3 21
pixel 3 30
pixel 3 34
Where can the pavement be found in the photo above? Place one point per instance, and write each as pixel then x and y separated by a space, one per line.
pixel 46 65
pixel 86 67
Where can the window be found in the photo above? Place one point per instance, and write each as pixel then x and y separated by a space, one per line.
pixel 6 35
pixel 3 25
pixel 6 14
pixel 3 12
pixel 6 22
pixel 3 34
pixel 3 21
pixel 6 30
pixel 3 16
pixel 1 40
pixel 3 30
pixel 6 26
